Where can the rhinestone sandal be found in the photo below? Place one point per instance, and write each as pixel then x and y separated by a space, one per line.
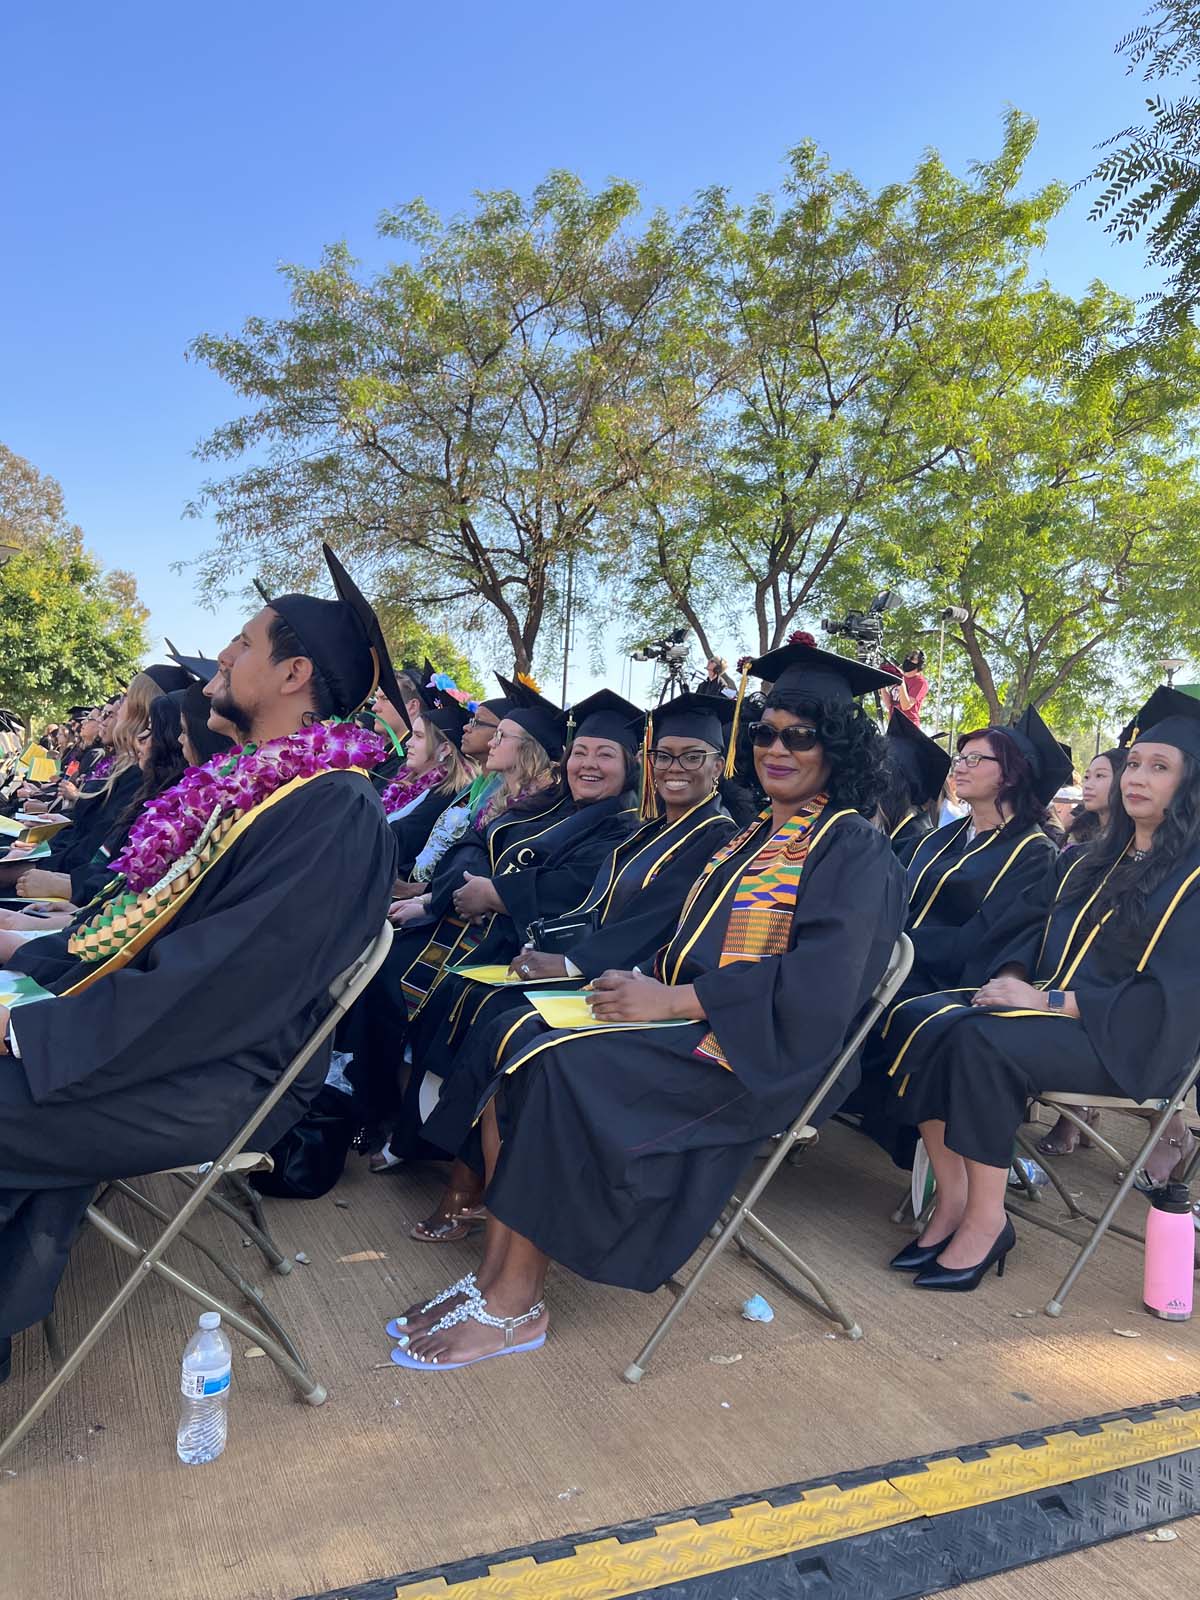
pixel 467 1286
pixel 474 1311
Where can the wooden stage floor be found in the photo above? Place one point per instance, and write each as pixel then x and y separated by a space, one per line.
pixel 399 1471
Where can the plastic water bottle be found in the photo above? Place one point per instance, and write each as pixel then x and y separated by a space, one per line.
pixel 1170 1250
pixel 203 1416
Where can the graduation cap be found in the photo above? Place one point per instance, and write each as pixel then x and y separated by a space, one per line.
pixel 605 715
pixel 344 639
pixel 540 718
pixel 705 717
pixel 801 668
pixel 262 593
pixel 1049 761
pixel 168 678
pixel 1168 717
pixel 923 762
pixel 201 668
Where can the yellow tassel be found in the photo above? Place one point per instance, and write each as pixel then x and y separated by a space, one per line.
pixel 731 752
pixel 648 809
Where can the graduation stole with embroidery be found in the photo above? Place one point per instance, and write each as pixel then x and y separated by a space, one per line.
pixel 764 902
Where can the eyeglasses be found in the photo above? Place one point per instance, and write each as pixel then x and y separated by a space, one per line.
pixel 689 760
pixel 499 737
pixel 973 759
pixel 474 722
pixel 794 739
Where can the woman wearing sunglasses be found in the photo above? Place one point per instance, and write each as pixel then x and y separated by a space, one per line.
pixel 612 1148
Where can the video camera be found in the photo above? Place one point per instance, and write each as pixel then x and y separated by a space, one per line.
pixel 672 650
pixel 865 627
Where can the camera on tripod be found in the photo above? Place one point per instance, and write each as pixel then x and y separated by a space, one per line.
pixel 672 650
pixel 865 627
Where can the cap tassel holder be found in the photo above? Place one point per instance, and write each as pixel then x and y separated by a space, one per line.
pixel 648 805
pixel 731 752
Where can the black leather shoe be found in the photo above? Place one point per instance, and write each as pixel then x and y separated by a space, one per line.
pixel 914 1256
pixel 962 1280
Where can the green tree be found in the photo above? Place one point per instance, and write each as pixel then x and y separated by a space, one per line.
pixel 471 419
pixel 1151 172
pixel 69 632
pixel 862 326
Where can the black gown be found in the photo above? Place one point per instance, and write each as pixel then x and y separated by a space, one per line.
pixel 621 1146
pixel 157 1064
pixel 1138 1028
pixel 373 1036
pixel 634 903
pixel 413 829
pixel 908 833
pixel 94 817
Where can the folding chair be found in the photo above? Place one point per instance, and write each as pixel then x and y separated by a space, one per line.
pixel 739 1214
pixel 343 992
pixel 1071 1107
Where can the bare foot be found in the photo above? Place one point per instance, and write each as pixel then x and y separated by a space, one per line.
pixel 1065 1138
pixel 468 1340
pixel 419 1318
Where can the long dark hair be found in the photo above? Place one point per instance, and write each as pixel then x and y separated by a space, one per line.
pixel 1015 797
pixel 853 746
pixel 1131 882
pixel 166 764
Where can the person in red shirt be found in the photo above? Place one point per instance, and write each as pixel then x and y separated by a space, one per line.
pixel 909 695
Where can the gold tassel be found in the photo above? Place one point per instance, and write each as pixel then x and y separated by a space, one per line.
pixel 731 752
pixel 648 809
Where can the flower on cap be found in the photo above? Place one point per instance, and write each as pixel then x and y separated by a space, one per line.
pixel 802 638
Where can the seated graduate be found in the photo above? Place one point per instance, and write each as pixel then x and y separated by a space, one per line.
pixel 1097 995
pixel 524 754
pixel 256 879
pixel 628 914
pixel 613 1152
pixel 917 769
pixel 435 773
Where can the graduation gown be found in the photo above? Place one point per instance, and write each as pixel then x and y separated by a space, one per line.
pixel 157 1064
pixel 622 1145
pixel 411 830
pixel 1138 1026
pixel 94 817
pixel 635 901
pixel 374 1033
pixel 908 833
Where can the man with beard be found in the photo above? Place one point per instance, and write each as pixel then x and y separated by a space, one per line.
pixel 248 888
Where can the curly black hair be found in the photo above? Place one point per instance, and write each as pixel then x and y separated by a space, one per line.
pixel 853 746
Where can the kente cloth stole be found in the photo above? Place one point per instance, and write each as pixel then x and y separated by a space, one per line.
pixel 452 938
pixel 764 902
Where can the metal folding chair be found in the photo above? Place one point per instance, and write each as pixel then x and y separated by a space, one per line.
pixel 1071 1107
pixel 343 992
pixel 740 1215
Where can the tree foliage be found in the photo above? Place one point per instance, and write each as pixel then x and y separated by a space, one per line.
pixel 473 416
pixel 69 632
pixel 1151 171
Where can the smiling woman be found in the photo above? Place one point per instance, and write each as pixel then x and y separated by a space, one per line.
pixel 613 1154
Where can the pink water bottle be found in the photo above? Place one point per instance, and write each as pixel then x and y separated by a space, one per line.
pixel 1170 1253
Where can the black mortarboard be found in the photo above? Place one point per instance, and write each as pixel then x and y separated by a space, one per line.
pixel 540 718
pixel 1168 717
pixel 605 715
pixel 800 667
pixel 344 639
pixel 1048 761
pixel 695 716
pixel 262 593
pixel 168 678
pixel 200 667
pixel 451 717
pixel 924 762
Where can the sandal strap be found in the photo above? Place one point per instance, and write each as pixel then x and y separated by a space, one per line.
pixel 476 1311
pixel 467 1286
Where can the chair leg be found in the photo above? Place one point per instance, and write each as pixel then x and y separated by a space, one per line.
pixel 225 1268
pixel 54 1347
pixel 1054 1305
pixel 293 1369
pixel 265 1243
pixel 827 1306
pixel 252 1200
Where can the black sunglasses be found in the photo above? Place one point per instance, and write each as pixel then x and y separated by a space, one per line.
pixel 794 738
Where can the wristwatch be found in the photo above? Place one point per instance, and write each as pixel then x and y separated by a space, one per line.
pixel 1056 1000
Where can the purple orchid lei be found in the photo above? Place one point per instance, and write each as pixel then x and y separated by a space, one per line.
pixel 403 788
pixel 102 769
pixel 236 781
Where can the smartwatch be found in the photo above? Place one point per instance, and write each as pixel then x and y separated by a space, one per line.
pixel 1056 1000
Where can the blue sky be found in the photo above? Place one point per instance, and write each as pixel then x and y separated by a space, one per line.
pixel 161 160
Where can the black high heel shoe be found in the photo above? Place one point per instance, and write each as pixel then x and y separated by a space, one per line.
pixel 962 1280
pixel 916 1256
